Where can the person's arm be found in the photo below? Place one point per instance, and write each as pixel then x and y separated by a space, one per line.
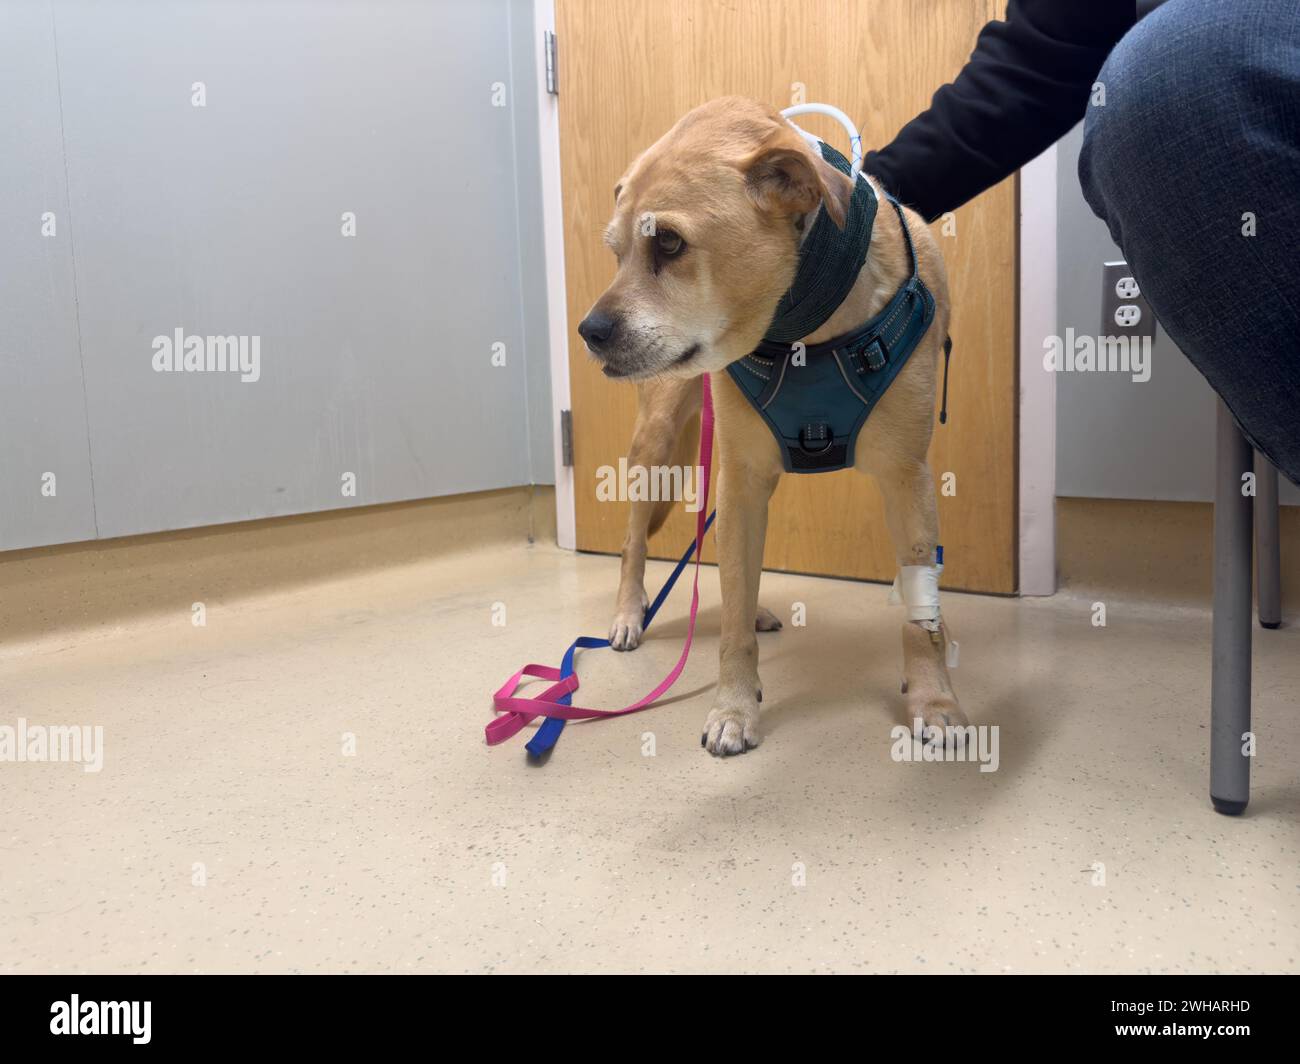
pixel 1025 85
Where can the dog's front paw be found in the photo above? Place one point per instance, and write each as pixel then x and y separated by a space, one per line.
pixel 730 730
pixel 938 712
pixel 766 621
pixel 625 631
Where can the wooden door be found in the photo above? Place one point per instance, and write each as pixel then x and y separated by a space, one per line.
pixel 628 70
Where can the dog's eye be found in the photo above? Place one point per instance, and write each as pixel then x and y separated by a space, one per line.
pixel 668 243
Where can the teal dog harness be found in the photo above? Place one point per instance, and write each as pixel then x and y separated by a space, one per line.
pixel 815 398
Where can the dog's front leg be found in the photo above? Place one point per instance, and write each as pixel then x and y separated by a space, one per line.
pixel 663 408
pixel 743 495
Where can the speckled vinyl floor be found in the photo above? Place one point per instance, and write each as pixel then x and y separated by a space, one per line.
pixel 302 785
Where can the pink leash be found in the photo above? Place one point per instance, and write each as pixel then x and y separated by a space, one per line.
pixel 519 711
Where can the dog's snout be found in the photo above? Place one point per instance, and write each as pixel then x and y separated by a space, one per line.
pixel 597 328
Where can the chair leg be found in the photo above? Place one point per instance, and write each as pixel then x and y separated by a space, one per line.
pixel 1230 665
pixel 1268 548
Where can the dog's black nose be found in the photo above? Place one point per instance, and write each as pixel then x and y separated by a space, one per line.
pixel 597 328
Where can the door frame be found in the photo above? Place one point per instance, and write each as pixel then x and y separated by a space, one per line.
pixel 548 124
pixel 1036 497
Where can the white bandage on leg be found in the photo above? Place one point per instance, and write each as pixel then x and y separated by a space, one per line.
pixel 917 588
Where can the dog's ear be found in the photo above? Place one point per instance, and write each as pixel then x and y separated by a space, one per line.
pixel 787 175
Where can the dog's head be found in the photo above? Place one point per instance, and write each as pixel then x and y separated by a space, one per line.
pixel 706 232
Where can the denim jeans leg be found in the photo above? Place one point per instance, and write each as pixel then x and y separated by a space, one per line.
pixel 1193 161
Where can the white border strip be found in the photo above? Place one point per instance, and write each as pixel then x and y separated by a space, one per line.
pixel 548 123
pixel 1038 320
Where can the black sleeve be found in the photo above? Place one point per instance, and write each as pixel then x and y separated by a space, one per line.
pixel 1025 85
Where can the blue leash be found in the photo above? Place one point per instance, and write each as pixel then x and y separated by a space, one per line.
pixel 549 731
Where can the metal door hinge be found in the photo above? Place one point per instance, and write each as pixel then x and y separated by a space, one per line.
pixel 552 65
pixel 566 437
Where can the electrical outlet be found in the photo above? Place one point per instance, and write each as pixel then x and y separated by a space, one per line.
pixel 1128 315
pixel 1124 309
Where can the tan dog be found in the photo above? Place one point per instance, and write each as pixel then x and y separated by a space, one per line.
pixel 732 189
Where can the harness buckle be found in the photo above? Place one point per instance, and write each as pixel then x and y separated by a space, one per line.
pixel 815 439
pixel 875 355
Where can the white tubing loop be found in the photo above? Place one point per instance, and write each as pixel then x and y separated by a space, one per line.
pixel 855 138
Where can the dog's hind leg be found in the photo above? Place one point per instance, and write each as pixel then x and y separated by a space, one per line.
pixel 908 490
pixel 664 407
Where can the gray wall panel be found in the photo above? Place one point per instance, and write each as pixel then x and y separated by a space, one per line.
pixel 225 220
pixel 42 407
